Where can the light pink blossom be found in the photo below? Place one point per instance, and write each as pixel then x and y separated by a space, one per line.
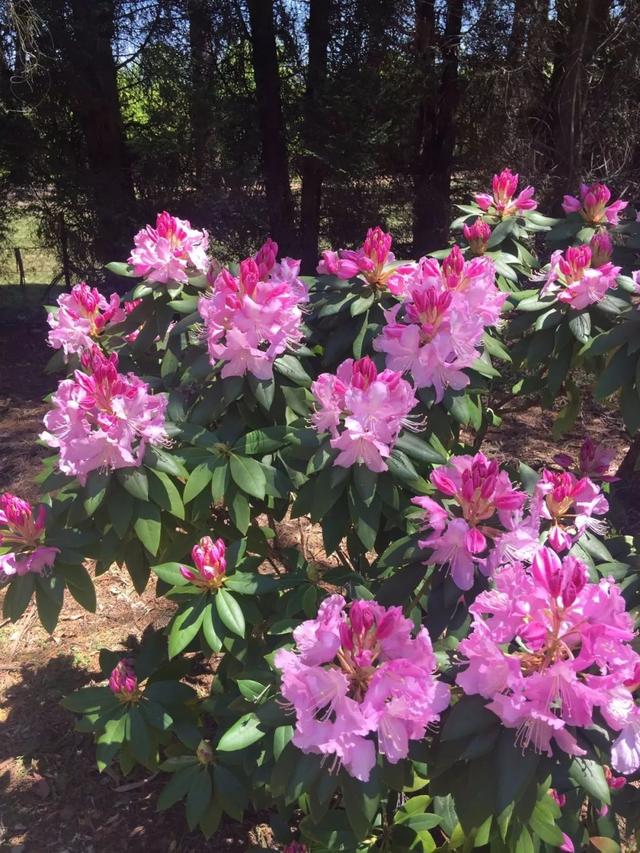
pixel 356 673
pixel 252 318
pixel 547 648
pixel 21 538
pixel 210 564
pixel 502 202
pixel 574 280
pixel 374 262
pixel 81 317
pixel 363 411
pixel 102 419
pixel 593 204
pixel 570 505
pixel 170 251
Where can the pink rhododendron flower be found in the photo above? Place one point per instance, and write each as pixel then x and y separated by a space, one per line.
pixel 22 532
pixel 569 504
pixel 477 236
pixel 123 681
pixel 547 648
pixel 481 496
pixel 210 563
pixel 594 460
pixel 102 419
pixel 250 319
pixel 363 411
pixel 374 262
pixel 170 251
pixel 81 317
pixel 593 204
pixel 574 280
pixel 357 672
pixel 437 330
pixel 502 202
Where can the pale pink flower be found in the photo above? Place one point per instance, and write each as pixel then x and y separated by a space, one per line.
pixel 363 411
pixel 123 681
pixel 357 674
pixel 501 202
pixel 548 648
pixel 374 262
pixel 252 318
pixel 569 504
pixel 573 279
pixel 102 419
pixel 170 251
pixel 22 532
pixel 210 564
pixel 477 236
pixel 81 317
pixel 594 460
pixel 593 204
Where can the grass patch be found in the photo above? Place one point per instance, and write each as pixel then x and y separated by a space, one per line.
pixel 40 263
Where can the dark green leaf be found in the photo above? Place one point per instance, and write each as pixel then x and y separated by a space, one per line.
pixel 230 612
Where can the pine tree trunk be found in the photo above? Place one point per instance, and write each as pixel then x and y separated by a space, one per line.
pixel 275 163
pixel 199 15
pixel 313 167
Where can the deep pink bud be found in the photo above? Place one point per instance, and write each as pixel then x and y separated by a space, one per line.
pixel 209 559
pixel 546 569
pixel 477 235
pixel 574 578
pixel 266 257
pixel 377 245
pixel 123 681
pixel 601 247
pixel 453 267
pixel 364 373
pixel 361 616
pixel 249 275
pixel 15 510
pixel 560 799
pixel 475 541
pixel 443 482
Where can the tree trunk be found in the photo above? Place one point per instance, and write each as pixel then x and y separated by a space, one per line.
pixel 432 200
pixel 275 163
pixel 93 82
pixel 199 14
pixel 313 135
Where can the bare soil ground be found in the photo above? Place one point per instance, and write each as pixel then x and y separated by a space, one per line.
pixel 51 795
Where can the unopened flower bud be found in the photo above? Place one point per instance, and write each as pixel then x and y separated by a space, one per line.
pixel 123 681
pixel 204 752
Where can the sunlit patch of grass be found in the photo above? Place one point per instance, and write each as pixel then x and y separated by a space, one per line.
pixel 40 263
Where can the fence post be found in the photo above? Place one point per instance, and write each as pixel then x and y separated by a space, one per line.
pixel 20 266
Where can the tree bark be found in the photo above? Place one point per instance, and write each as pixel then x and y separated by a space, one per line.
pixel 275 161
pixel 434 162
pixel 313 165
pixel 200 19
pixel 93 82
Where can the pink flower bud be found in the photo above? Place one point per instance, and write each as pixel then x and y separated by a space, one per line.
pixel 546 569
pixel 266 257
pixel 377 245
pixel 477 236
pixel 560 799
pixel 443 482
pixel 364 373
pixel 475 541
pixel 574 578
pixel 601 247
pixel 123 681
pixel 249 275
pixel 209 559
pixel 362 616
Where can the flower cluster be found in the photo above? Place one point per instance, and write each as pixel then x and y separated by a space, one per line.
pixel 210 564
pixel 170 251
pixel 102 419
pixel 81 316
pixel 477 236
pixel 483 508
pixel 22 532
pixel 123 681
pixel 501 202
pixel 250 319
pixel 547 648
pixel 363 411
pixel 568 504
pixel 573 277
pixel 357 671
pixel 594 460
pixel 436 331
pixel 593 205
pixel 374 262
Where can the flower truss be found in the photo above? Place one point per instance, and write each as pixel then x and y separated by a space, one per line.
pixel 435 333
pixel 102 419
pixel 170 251
pixel 575 280
pixel 483 515
pixel 358 671
pixel 22 533
pixel 548 648
pixel 477 236
pixel 593 205
pixel 501 202
pixel 250 319
pixel 374 262
pixel 363 411
pixel 567 505
pixel 210 564
pixel 594 460
pixel 81 316
pixel 123 681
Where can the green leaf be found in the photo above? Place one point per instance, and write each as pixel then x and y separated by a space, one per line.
pixel 199 478
pixel 524 844
pixel 589 775
pixel 49 596
pixel 80 586
pixel 365 482
pixel 148 526
pixel 134 481
pixel 580 325
pixel 419 449
pixel 361 801
pixel 198 796
pixel 89 699
pixel 290 367
pixel 248 475
pixel 211 628
pixel 220 478
pixel 120 268
pixel 95 491
pixel 242 733
pixel 185 625
pixel 239 510
pixel 140 739
pixel 468 717
pixel 542 822
pixel 177 786
pixel 230 612
pixel 261 441
pixel 501 232
pixel 515 769
pixel 170 573
pixel 18 596
pixel 163 491
pixel 229 792
pixel 120 511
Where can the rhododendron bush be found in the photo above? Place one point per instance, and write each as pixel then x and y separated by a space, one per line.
pixel 459 667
